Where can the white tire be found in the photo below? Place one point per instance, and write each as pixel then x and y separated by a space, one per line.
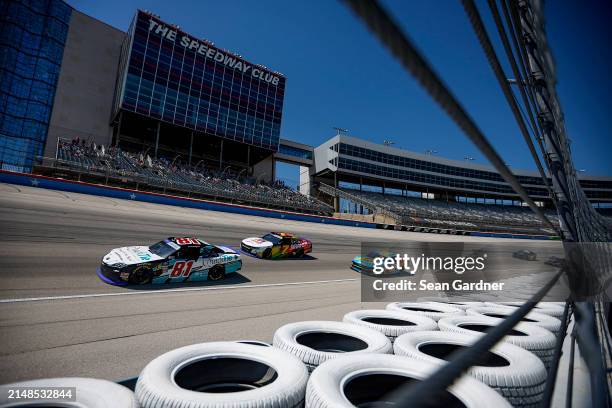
pixel 223 374
pixel 90 393
pixel 359 379
pixel 434 311
pixel 457 304
pixel 548 308
pixel 314 342
pixel 390 323
pixel 515 373
pixel 539 319
pixel 536 339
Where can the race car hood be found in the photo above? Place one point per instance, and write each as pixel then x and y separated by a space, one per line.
pixel 130 255
pixel 256 242
pixel 226 250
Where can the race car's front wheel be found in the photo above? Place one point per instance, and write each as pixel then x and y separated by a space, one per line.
pixel 216 273
pixel 140 276
pixel 267 254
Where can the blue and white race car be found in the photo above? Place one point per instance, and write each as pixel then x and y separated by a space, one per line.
pixel 172 260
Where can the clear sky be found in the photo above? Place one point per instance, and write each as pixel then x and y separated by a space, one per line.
pixel 339 75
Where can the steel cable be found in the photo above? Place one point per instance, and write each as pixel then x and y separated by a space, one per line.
pixel 389 33
pixel 487 46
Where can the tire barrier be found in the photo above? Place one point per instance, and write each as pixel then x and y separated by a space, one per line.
pixel 90 393
pixel 390 323
pixel 515 373
pixel 528 336
pixel 254 343
pixel 463 305
pixel 314 342
pixel 539 319
pixel 554 309
pixel 364 379
pixel 227 374
pixel 434 311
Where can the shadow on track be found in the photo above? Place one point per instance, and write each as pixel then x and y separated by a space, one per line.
pixel 234 279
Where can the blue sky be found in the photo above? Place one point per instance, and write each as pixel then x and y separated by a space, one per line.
pixel 339 75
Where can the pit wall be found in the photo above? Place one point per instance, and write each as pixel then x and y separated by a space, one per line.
pixel 32 180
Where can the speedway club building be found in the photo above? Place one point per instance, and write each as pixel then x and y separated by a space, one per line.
pixel 160 90
pixel 154 88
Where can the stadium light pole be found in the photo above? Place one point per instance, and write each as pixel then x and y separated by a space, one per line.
pixel 388 142
pixel 340 131
pixel 431 152
pixel 468 158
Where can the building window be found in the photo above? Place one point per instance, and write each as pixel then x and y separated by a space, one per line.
pixel 31 44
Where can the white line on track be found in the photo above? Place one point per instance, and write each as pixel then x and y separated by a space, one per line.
pixel 151 292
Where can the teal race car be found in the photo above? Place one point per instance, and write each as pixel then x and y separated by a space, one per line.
pixel 365 264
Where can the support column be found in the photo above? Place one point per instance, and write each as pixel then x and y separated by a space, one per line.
pixel 221 156
pixel 119 129
pixel 190 147
pixel 157 131
pixel 336 198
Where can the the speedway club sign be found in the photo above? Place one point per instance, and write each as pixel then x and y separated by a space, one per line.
pixel 204 48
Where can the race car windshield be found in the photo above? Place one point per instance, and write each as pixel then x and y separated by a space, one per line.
pixel 272 238
pixel 162 249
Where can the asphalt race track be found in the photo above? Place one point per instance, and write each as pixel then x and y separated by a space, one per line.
pixel 58 319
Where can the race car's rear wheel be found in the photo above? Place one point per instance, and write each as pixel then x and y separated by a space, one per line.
pixel 299 253
pixel 140 276
pixel 216 273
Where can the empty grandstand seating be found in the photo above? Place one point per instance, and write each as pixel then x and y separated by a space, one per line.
pixel 174 175
pixel 442 214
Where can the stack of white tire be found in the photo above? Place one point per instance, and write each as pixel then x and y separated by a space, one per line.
pixel 545 321
pixel 433 310
pixel 344 364
pixel 513 372
pixel 530 337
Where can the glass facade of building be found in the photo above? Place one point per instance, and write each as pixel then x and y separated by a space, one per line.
pixel 441 181
pixel 177 78
pixel 295 152
pixel 481 180
pixel 368 154
pixel 32 38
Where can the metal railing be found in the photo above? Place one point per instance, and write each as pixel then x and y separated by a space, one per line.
pixel 377 209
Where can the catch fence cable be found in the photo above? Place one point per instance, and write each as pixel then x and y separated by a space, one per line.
pixel 487 46
pixel 389 33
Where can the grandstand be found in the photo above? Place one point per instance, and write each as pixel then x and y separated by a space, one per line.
pixel 370 181
pixel 78 159
pixel 440 214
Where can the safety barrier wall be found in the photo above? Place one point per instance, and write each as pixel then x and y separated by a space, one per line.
pixel 52 183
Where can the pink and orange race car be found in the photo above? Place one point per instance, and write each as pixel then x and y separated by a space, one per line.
pixel 276 245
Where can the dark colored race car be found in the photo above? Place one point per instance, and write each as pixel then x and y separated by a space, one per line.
pixel 169 261
pixel 276 245
pixel 525 254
